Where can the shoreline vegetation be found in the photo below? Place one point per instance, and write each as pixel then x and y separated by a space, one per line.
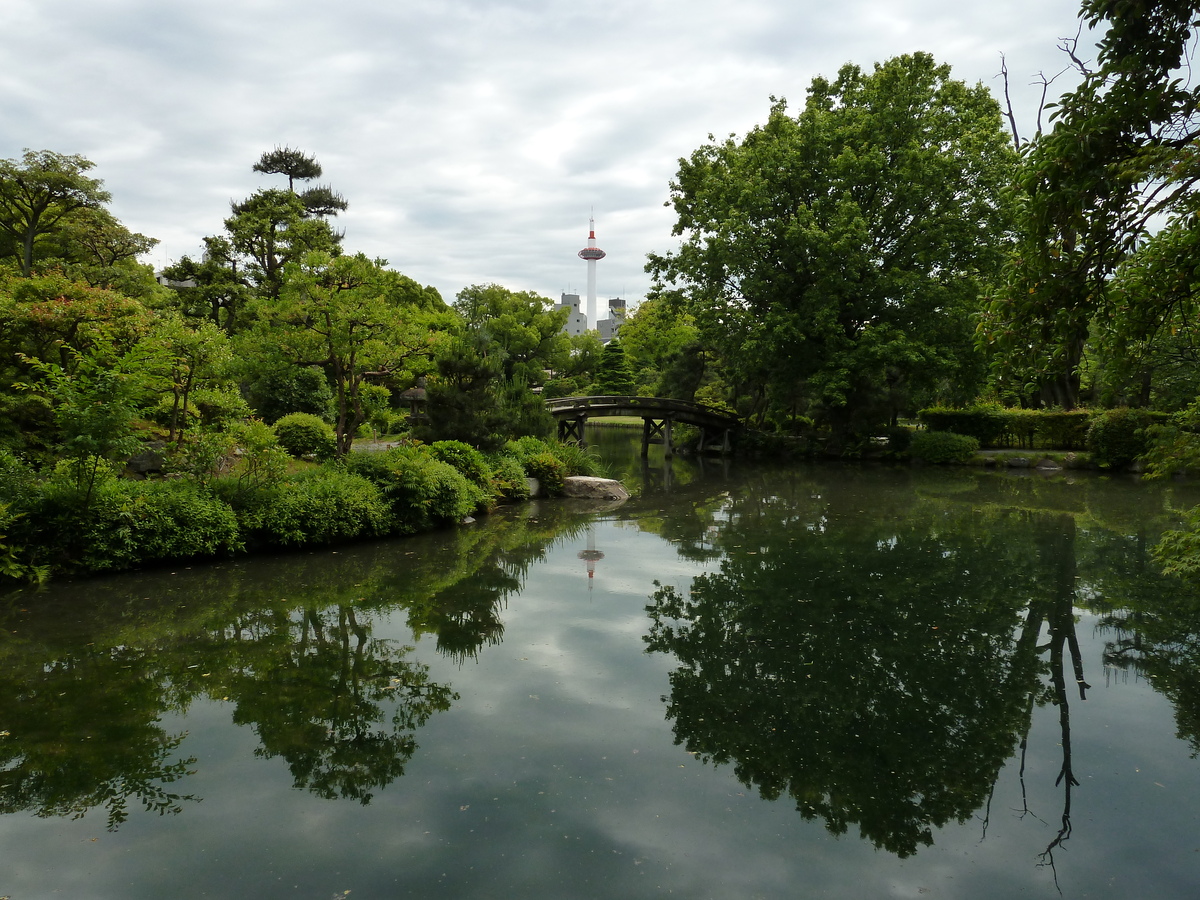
pixel 90 519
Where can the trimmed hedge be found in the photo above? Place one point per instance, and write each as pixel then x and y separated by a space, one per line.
pixel 997 426
pixel 940 447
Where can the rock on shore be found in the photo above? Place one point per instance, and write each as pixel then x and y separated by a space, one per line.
pixel 588 488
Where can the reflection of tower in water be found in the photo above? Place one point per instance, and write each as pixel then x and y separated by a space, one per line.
pixel 591 554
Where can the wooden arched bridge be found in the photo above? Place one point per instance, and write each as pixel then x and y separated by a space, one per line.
pixel 658 415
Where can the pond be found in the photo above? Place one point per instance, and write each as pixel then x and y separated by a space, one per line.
pixel 747 682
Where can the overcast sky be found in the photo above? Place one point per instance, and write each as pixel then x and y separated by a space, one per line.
pixel 472 138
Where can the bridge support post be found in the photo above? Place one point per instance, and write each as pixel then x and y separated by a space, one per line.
pixel 657 431
pixel 572 430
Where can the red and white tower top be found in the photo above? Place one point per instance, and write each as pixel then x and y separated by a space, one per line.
pixel 591 253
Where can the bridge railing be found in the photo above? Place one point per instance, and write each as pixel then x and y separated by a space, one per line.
pixel 647 405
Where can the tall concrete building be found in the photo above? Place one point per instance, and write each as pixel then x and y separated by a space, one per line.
pixel 577 322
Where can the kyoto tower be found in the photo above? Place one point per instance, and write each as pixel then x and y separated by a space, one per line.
pixel 592 253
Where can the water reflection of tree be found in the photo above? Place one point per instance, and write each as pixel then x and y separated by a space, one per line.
pixel 83 732
pixel 340 706
pixel 878 670
pixel 1151 621
pixel 84 686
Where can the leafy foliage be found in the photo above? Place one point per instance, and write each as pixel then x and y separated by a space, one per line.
pixel 1118 437
pixel 833 258
pixel 303 434
pixel 941 447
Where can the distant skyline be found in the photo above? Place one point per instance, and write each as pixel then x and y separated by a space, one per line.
pixel 472 138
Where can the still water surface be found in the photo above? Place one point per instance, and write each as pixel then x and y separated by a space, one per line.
pixel 813 681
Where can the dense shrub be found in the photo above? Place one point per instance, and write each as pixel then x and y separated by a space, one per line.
pixel 178 519
pixel 319 507
pixel 578 460
pixel 995 426
pixel 1117 437
pixel 942 447
pixel 549 470
pixel 421 490
pixel 509 481
pixel 466 459
pixel 1063 429
pixel 543 461
pixel 284 389
pixel 125 524
pixel 303 434
pixel 984 423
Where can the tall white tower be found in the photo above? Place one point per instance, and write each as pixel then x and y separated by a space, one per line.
pixel 592 253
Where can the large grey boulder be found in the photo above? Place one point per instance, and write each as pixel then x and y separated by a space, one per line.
pixel 584 487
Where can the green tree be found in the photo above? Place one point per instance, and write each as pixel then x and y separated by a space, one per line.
pixel 299 166
pixel 504 345
pixel 1121 155
pixel 356 319
pixel 295 164
pixel 839 252
pixel 662 344
pixel 615 376
pixel 39 191
pixel 195 365
pixel 270 229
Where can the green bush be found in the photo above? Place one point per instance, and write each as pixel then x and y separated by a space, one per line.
pixel 421 490
pixel 1021 426
pixel 525 447
pixel 984 423
pixel 578 460
pixel 303 434
pixel 319 507
pixel 942 447
pixel 1063 429
pixel 466 459
pixel 1117 437
pixel 549 470
pixel 128 523
pixel 287 389
pixel 178 519
pixel 509 481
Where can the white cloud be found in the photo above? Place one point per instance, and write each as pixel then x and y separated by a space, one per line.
pixel 472 138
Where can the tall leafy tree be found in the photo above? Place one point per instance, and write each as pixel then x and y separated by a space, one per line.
pixel 359 321
pixel 39 191
pixel 502 346
pixel 321 200
pixel 1121 155
pixel 839 251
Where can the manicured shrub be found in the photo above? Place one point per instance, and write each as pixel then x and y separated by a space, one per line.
pixel 319 507
pixel 1117 437
pixel 984 423
pixel 1060 429
pixel 942 447
pixel 421 490
pixel 466 459
pixel 303 434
